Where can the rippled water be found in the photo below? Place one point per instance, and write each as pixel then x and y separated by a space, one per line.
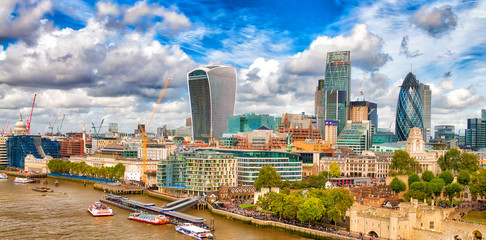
pixel 62 214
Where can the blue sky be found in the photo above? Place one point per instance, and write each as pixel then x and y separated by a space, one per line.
pixel 109 59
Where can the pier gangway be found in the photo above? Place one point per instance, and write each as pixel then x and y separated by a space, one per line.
pixel 181 204
pixel 136 206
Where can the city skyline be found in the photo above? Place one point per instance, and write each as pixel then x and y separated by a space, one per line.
pixel 96 59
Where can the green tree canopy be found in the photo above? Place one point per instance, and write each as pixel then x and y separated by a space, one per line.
pixel 397 185
pixel 452 189
pixel 317 181
pixel 311 209
pixel 439 185
pixel 403 162
pixel 463 177
pixel 447 176
pixel 478 183
pixel 428 176
pixel 334 170
pixel 450 160
pixel 413 178
pixel 268 177
pixel 468 162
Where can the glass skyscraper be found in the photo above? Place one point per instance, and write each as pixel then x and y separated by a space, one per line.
pixel 335 89
pixel 427 105
pixel 212 93
pixel 410 111
pixel 249 122
pixel 475 133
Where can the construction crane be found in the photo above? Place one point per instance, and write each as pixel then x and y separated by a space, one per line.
pixel 60 127
pixel 30 118
pixel 101 124
pixel 5 127
pixel 144 135
pixel 94 128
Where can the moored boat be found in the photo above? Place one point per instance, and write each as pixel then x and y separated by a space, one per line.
pixel 194 231
pixel 21 180
pixel 38 189
pixel 149 218
pixel 42 189
pixel 98 210
pixel 3 176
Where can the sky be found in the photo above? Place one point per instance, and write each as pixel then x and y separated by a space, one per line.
pixel 89 60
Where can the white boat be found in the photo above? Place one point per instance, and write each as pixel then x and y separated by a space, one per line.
pixel 3 176
pixel 21 180
pixel 194 231
pixel 149 218
pixel 98 210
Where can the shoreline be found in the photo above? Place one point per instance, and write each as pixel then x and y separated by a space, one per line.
pixel 301 231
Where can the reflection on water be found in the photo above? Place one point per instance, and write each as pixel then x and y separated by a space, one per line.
pixel 62 214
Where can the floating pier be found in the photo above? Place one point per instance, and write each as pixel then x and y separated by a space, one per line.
pixel 115 188
pixel 168 209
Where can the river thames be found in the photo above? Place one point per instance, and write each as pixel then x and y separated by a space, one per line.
pixel 62 214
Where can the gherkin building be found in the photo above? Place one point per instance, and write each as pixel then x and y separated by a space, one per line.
pixel 410 111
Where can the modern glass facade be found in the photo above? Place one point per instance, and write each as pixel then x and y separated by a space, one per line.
pixel 172 172
pixel 287 164
pixel 475 133
pixel 427 107
pixel 364 110
pixel 18 147
pixel 383 136
pixel 335 89
pixel 212 93
pixel 249 122
pixel 409 108
pixel 355 136
pixel 445 132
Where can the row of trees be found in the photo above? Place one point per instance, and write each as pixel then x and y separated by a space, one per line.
pixel 454 160
pixel 268 177
pixel 82 169
pixel 312 206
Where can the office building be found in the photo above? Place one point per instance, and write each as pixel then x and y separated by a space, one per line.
pixel 71 147
pixel 300 126
pixel 261 139
pixel 355 136
pixel 318 97
pixel 409 108
pixel 212 94
pixel 249 122
pixel 475 133
pixel 3 150
pixel 18 147
pixel 113 128
pixel 427 107
pixel 383 136
pixel 330 132
pixel 335 90
pixel 444 132
pixel 364 110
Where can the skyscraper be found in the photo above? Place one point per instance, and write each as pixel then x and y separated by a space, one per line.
pixel 364 110
pixel 410 111
pixel 212 93
pixel 335 90
pixel 475 133
pixel 426 100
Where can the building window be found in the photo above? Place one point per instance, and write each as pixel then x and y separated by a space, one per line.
pixel 431 224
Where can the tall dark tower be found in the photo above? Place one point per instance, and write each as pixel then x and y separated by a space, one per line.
pixel 410 111
pixel 212 94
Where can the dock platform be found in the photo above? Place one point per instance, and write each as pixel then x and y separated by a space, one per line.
pixel 115 188
pixel 135 206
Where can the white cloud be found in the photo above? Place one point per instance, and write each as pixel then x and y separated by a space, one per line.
pixel 435 22
pixel 365 47
pixel 107 9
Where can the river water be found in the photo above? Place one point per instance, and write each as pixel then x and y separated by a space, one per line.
pixel 62 214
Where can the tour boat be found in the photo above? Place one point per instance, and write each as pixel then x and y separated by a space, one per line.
pixel 148 218
pixel 42 189
pixel 21 180
pixel 3 176
pixel 194 231
pixel 97 210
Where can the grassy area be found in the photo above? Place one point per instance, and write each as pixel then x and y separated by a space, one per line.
pixel 449 202
pixel 476 217
pixel 246 205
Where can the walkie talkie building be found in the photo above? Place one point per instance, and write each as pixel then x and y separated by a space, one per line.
pixel 212 94
pixel 410 111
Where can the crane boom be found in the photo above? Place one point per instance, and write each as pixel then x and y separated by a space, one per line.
pixel 144 135
pixel 101 124
pixel 30 118
pixel 158 102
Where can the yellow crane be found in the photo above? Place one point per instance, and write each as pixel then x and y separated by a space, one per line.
pixel 144 135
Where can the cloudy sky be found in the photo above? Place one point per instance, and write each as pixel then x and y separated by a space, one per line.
pixel 90 60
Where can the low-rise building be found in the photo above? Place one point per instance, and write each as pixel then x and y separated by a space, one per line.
pixel 367 164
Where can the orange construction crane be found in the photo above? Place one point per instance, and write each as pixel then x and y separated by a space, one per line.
pixel 144 135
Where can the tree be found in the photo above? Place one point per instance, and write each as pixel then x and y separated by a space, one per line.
pixel 311 209
pixel 268 177
pixel 334 215
pixel 334 170
pixel 452 189
pixel 428 176
pixel 478 183
pixel 439 185
pixel 403 162
pixel 463 177
pixel 291 209
pixel 397 185
pixel 447 176
pixel 450 160
pixel 316 181
pixel 468 162
pixel 278 204
pixel 413 178
pixel 264 202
